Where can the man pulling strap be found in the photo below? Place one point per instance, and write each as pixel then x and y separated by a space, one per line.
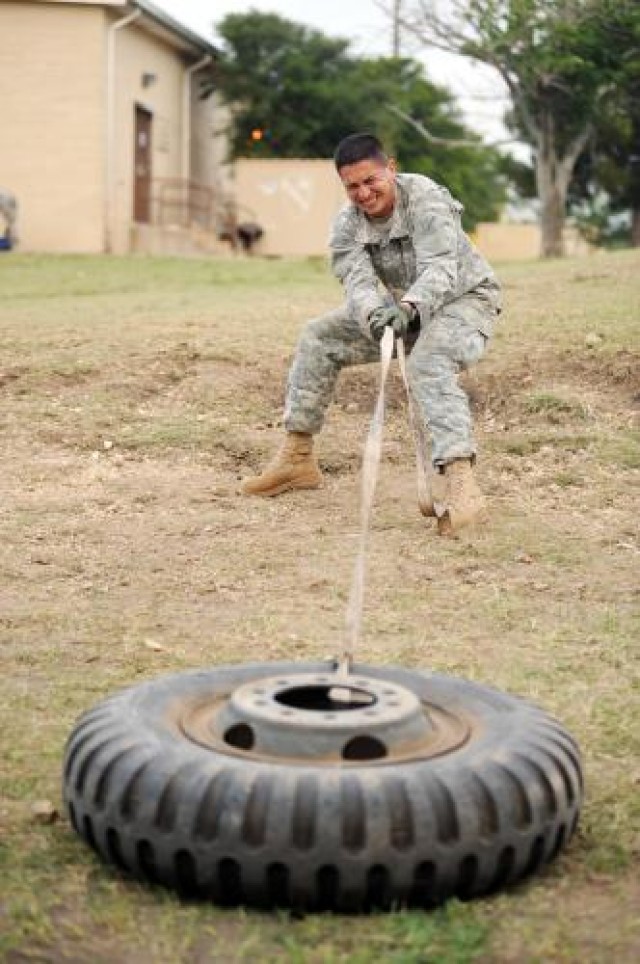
pixel 404 261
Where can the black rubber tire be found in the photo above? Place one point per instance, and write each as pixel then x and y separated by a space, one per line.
pixel 239 830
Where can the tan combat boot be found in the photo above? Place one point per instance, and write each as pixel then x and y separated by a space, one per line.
pixel 294 467
pixel 464 501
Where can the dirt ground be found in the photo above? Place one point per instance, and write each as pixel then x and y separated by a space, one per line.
pixel 136 396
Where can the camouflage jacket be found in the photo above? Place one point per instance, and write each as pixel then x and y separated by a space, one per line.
pixel 421 254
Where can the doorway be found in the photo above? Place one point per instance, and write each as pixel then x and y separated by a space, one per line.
pixel 142 166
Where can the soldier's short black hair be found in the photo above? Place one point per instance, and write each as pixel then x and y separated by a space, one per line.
pixel 359 147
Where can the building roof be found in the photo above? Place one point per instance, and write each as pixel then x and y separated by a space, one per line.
pixel 154 17
pixel 163 19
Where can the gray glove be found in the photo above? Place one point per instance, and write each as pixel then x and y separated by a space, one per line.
pixel 394 317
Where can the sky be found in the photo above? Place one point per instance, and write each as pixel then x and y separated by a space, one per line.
pixel 478 91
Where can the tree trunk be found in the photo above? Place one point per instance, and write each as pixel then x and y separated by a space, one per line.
pixel 634 177
pixel 552 208
pixel 395 42
pixel 553 197
pixel 553 175
pixel 552 192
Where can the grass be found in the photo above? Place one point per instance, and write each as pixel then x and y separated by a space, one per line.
pixel 136 393
pixel 554 407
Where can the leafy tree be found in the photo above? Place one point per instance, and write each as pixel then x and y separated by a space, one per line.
pixel 607 180
pixel 295 93
pixel 282 81
pixel 558 60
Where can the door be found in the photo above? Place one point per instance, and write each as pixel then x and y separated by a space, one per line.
pixel 142 167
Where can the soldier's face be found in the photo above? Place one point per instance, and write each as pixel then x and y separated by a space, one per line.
pixel 371 185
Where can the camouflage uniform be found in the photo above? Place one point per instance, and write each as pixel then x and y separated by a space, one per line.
pixel 421 255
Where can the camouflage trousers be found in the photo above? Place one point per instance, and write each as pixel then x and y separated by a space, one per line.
pixel 453 339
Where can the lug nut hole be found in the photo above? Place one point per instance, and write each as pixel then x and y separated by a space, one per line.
pixel 364 748
pixel 241 736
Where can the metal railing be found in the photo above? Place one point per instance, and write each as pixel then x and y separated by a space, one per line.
pixel 176 202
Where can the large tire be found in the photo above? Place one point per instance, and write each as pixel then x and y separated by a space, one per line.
pixel 225 823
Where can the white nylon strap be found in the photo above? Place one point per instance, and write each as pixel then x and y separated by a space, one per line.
pixel 371 462
pixel 418 429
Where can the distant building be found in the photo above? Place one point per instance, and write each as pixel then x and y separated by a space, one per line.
pixel 107 145
pixel 106 142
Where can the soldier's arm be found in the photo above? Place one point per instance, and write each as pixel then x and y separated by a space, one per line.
pixel 436 227
pixel 352 266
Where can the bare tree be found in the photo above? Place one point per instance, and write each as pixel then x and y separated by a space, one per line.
pixel 396 13
pixel 453 142
pixel 547 53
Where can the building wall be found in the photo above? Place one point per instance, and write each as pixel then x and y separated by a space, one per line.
pixel 74 193
pixel 139 53
pixel 52 123
pixel 209 143
pixel 294 201
pixel 521 242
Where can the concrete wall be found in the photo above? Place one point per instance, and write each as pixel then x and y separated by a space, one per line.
pixel 521 242
pixel 52 123
pixel 294 201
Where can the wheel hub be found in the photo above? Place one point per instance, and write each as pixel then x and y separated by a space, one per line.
pixel 323 718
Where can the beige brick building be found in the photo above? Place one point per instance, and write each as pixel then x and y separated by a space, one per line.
pixel 105 141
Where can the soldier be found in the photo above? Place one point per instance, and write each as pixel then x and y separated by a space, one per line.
pixel 404 261
pixel 9 213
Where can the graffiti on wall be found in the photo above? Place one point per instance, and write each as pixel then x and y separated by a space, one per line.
pixel 298 190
